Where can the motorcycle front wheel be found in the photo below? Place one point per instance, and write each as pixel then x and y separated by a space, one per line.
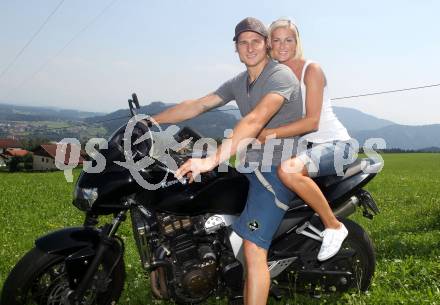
pixel 40 278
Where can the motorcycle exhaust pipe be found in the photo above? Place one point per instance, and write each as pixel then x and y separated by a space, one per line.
pixel 157 276
pixel 158 283
pixel 347 208
pixel 154 284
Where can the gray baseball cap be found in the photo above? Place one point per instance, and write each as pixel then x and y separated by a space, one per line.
pixel 250 24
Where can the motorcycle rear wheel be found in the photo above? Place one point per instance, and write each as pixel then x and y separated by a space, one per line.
pixel 40 278
pixel 363 264
pixel 356 256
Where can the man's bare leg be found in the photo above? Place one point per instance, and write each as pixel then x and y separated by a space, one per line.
pixel 245 292
pixel 257 283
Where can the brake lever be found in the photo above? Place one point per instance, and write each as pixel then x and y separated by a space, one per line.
pixel 136 101
pixel 183 180
pixel 132 109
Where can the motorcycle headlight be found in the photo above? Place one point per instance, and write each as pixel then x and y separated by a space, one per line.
pixel 84 198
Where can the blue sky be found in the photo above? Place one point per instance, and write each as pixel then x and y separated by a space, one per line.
pixel 174 50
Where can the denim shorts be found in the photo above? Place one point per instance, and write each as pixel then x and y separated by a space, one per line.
pixel 267 201
pixel 325 159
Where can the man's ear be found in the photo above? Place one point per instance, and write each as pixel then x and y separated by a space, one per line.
pixel 268 47
pixel 269 51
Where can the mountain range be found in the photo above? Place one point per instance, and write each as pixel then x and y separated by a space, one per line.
pixel 9 112
pixel 212 124
pixel 359 124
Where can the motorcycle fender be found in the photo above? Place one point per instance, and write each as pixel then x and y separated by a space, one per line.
pixel 68 240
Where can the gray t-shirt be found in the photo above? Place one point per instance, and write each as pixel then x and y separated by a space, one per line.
pixel 275 78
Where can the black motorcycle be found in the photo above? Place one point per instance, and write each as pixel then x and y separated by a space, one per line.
pixel 184 237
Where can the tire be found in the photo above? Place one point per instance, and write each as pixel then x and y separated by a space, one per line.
pixel 359 240
pixel 40 278
pixel 356 256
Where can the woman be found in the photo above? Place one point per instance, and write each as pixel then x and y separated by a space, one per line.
pixel 323 134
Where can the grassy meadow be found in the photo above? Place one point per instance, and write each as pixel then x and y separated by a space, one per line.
pixel 406 234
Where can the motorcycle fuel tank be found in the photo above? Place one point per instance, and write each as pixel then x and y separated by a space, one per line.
pixel 223 193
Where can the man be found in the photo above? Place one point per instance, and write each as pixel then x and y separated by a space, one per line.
pixel 268 95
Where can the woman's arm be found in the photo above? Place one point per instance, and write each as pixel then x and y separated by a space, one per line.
pixel 314 81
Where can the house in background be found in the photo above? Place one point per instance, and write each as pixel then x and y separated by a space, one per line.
pixel 3 160
pixel 44 157
pixel 8 143
pixel 6 146
pixel 16 152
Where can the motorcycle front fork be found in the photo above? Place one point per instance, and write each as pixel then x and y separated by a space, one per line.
pixel 106 240
pixel 91 220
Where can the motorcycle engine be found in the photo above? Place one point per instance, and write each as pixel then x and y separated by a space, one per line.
pixel 194 259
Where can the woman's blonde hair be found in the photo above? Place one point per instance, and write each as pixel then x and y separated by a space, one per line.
pixel 288 24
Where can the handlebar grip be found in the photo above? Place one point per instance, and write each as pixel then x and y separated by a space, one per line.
pixel 135 100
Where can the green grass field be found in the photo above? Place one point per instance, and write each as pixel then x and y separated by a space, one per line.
pixel 406 234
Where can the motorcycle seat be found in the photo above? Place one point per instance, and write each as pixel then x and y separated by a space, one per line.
pixel 348 170
pixel 326 181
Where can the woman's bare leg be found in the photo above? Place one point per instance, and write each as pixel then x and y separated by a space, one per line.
pixel 257 281
pixel 300 183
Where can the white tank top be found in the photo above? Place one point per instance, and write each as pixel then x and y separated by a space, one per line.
pixel 330 128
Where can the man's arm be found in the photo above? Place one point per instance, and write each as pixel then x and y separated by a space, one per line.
pixel 188 109
pixel 251 125
pixel 247 127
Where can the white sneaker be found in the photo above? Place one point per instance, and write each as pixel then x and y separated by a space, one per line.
pixel 332 241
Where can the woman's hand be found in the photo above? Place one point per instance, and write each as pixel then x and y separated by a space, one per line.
pixel 195 166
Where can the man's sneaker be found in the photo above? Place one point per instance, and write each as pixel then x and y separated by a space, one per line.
pixel 332 241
